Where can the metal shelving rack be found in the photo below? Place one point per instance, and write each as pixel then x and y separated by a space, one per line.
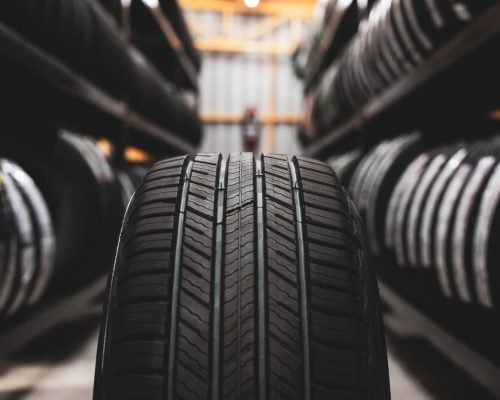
pixel 176 44
pixel 75 102
pixel 67 84
pixel 476 35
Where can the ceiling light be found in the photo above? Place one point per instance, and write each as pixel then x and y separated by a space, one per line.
pixel 343 3
pixel 252 3
pixel 151 3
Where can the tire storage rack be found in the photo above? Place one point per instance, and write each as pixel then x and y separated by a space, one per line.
pixel 428 198
pixel 87 67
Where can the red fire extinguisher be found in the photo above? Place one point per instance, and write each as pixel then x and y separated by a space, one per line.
pixel 251 130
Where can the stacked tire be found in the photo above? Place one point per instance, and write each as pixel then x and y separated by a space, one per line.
pixel 396 38
pixel 436 211
pixel 60 214
pixel 83 37
pixel 28 241
pixel 451 220
pixel 241 278
pixel 336 25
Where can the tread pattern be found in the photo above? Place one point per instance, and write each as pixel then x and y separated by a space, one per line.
pixel 242 279
pixel 284 321
pixel 193 361
pixel 239 281
pixel 138 331
pixel 338 343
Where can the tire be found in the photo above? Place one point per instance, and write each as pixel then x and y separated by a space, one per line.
pixel 241 279
pixel 382 183
pixel 345 164
pixel 484 241
pixel 8 245
pixel 411 244
pixel 43 229
pixel 446 214
pixel 127 187
pixel 137 173
pixel 25 238
pixel 398 207
pixel 431 205
pixel 357 181
pixel 83 196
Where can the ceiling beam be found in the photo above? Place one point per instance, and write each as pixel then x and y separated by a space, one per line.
pixel 267 119
pixel 223 45
pixel 279 8
pixel 266 27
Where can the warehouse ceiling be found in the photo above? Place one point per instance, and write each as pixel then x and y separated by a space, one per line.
pixel 303 8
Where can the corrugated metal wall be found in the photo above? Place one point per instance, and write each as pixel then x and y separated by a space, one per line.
pixel 232 82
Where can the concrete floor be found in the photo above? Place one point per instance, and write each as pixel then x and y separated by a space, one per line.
pixel 67 373
pixel 417 371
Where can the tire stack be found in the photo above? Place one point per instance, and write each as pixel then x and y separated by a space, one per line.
pixel 396 38
pixel 82 36
pixel 60 214
pixel 28 241
pixel 450 223
pixel 433 213
pixel 337 23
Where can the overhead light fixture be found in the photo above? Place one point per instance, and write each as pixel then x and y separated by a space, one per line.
pixel 252 3
pixel 151 3
pixel 343 3
pixel 362 5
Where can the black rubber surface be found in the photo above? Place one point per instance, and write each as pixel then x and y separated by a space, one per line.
pixel 241 279
pixel 25 234
pixel 127 187
pixel 8 245
pixel 84 200
pixel 417 205
pixel 43 229
pixel 382 182
pixel 345 164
